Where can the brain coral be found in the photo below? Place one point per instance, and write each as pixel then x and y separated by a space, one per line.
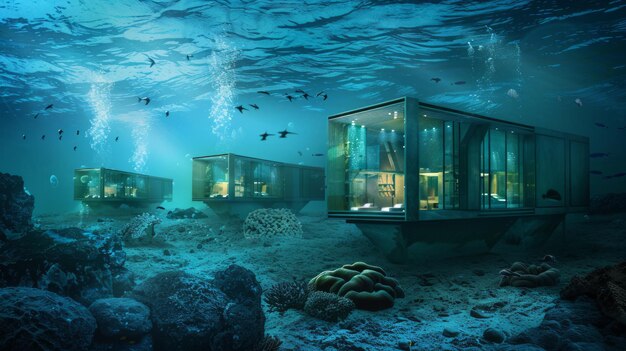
pixel 268 222
pixel 367 286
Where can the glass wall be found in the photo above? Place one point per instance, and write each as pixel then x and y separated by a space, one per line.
pixel 111 185
pixel 366 160
pixel 210 177
pixel 87 184
pixel 579 173
pixel 431 165
pixel 550 189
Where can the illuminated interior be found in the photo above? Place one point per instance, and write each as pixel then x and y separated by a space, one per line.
pixel 101 184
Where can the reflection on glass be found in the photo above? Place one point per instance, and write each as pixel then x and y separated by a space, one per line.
pixel 431 156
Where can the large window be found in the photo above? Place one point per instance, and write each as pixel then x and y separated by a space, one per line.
pixel 210 177
pixel 366 161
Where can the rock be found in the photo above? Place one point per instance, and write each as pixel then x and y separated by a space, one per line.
pixel 190 212
pixel 479 314
pixel 143 344
pixel 450 332
pixel 121 317
pixel 190 313
pixel 35 319
pixel 167 252
pixel 16 206
pixel 530 276
pixel 493 335
pixel 68 261
pixel 123 280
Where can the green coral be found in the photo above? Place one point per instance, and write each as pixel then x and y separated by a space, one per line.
pixel 327 306
pixel 366 285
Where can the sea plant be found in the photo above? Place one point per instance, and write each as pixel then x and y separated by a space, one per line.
pixel 287 295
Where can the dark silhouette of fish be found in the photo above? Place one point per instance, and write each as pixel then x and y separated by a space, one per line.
pixel 241 108
pixel 436 80
pixel 146 99
pixel 289 97
pixel 160 208
pixel 264 136
pixel 117 138
pixel 319 154
pixel 254 106
pixel 49 107
pixel 77 132
pixel 616 175
pixel 36 115
pixel 459 82
pixel 598 154
pixel 595 172
pixel 43 137
pixel 300 91
pixel 167 113
pixel 620 128
pixel 263 92
pixel 305 96
pixel 325 96
pixel 23 136
pixel 75 148
pixel 552 194
pixel 283 133
pixel 60 131
pixel 60 137
pixel 601 125
pixel 320 93
pixel 152 62
pixel 189 56
pixel 299 152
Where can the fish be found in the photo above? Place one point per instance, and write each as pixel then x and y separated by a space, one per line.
pixel 512 93
pixel 595 172
pixel 49 107
pixel 621 128
pixel 189 56
pixel 241 108
pixel 60 137
pixel 263 92
pixel 305 96
pixel 43 137
pixel 548 259
pixel 264 136
pixel 152 62
pixel 254 106
pixel 75 148
pixel 598 154
pixel 299 152
pixel 459 82
pixel 436 79
pixel 552 195
pixel 77 132
pixel 300 91
pixel 167 113
pixel 117 138
pixel 509 273
pixel 319 154
pixel 23 136
pixel 36 115
pixel 146 99
pixel 325 96
pixel 320 93
pixel 283 133
pixel 60 131
pixel 616 175
pixel 160 208
pixel 601 125
pixel 578 102
pixel 289 97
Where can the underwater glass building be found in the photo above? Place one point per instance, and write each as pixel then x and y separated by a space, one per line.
pixel 227 179
pixel 413 164
pixel 102 186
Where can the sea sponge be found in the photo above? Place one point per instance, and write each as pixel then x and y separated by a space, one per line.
pixel 269 222
pixel 327 306
pixel 529 276
pixel 286 295
pixel 366 285
pixel 140 226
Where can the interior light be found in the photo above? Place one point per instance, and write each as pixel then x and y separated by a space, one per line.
pixel 425 116
pixel 389 113
pixel 363 126
pixel 382 129
pixel 393 130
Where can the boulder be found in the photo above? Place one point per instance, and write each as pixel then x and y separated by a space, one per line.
pixel 191 212
pixel 191 313
pixel 35 319
pixel 121 318
pixel 16 206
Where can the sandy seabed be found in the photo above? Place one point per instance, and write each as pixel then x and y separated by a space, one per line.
pixel 440 291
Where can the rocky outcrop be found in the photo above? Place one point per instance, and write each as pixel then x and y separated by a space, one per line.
pixel 270 222
pixel 121 318
pixel 607 286
pixel 16 206
pixel 190 313
pixel 189 213
pixel 529 276
pixel 140 227
pixel 35 319
pixel 70 262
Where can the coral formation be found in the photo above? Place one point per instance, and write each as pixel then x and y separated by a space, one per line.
pixel 35 319
pixel 140 226
pixel 367 286
pixel 529 276
pixel 269 222
pixel 328 306
pixel 16 206
pixel 606 285
pixel 269 343
pixel 283 296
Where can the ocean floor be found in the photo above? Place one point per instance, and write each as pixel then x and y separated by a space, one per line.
pixel 440 291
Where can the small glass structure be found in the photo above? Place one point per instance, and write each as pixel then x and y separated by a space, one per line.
pixel 103 185
pixel 235 178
